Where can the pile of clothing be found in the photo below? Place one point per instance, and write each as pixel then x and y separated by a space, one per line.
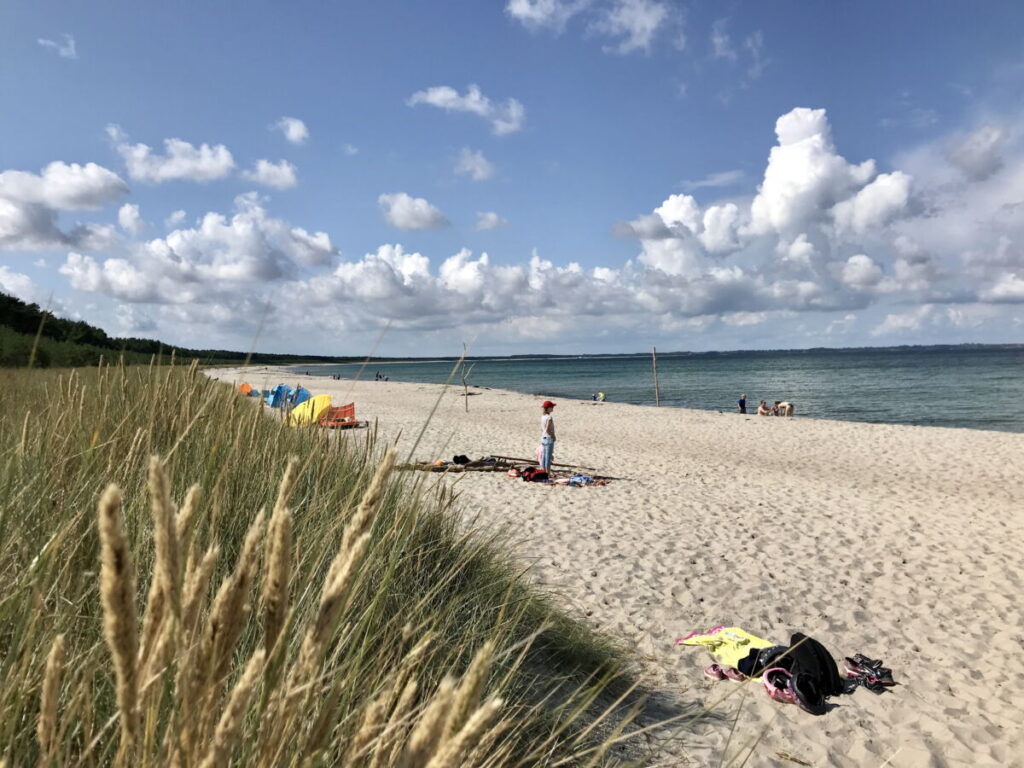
pixel 802 673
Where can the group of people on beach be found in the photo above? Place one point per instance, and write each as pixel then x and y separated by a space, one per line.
pixel 779 408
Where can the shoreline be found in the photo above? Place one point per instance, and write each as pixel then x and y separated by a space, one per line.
pixel 456 385
pixel 899 542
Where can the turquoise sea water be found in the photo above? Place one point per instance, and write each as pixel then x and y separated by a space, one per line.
pixel 964 387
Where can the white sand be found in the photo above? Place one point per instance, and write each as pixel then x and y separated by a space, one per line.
pixel 902 543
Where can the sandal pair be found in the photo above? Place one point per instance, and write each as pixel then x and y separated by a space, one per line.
pixel 717 672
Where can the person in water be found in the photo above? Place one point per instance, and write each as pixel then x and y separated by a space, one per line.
pixel 547 436
pixel 741 404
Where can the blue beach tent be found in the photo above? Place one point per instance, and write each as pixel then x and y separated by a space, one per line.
pixel 301 395
pixel 278 396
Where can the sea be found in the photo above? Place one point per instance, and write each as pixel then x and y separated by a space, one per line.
pixel 970 387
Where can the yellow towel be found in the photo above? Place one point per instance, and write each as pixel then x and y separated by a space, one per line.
pixel 727 644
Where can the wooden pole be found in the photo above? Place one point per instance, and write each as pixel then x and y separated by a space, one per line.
pixel 654 362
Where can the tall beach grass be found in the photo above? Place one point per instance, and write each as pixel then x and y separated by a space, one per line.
pixel 185 581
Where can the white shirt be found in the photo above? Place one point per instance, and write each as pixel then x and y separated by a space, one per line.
pixel 544 421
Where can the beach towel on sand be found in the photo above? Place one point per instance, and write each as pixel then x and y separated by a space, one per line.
pixel 727 644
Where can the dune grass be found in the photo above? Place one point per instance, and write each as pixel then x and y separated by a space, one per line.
pixel 186 581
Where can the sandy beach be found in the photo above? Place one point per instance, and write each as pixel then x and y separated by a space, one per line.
pixel 902 543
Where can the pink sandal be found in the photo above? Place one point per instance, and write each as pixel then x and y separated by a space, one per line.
pixel 735 675
pixel 776 683
pixel 715 672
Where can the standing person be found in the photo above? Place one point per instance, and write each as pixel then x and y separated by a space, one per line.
pixel 547 436
pixel 742 404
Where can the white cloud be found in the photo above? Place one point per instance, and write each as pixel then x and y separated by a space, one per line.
pixel 505 118
pixel 945 251
pixel 350 149
pixel 874 204
pixel 861 272
pixel 636 22
pixel 489 220
pixel 754 43
pixel 65 50
pixel 212 262
pixel 715 180
pixel 280 175
pixel 721 42
pixel 406 212
pixel 979 153
pixel 69 187
pixel 804 175
pixel 129 219
pixel 897 323
pixel 473 164
pixel 176 218
pixel 1009 287
pixel 551 14
pixel 18 285
pixel 294 130
pixel 29 203
pixel 182 161
pixel 721 224
pixel 134 320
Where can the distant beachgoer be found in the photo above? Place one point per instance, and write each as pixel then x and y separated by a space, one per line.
pixel 762 409
pixel 786 409
pixel 775 408
pixel 742 404
pixel 547 436
pixel 600 397
pixel 594 396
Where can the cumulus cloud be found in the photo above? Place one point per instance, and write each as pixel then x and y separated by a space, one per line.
pixel 206 263
pixel 473 164
pixel 1009 287
pixel 634 22
pixel 874 204
pixel 176 218
pixel 129 219
pixel 64 186
pixel 925 248
pixel 860 271
pixel 805 175
pixel 549 14
pixel 902 322
pixel 66 49
pixel 181 161
pixel 280 175
pixel 489 220
pixel 406 212
pixel 30 202
pixel 18 285
pixel 294 130
pixel 505 117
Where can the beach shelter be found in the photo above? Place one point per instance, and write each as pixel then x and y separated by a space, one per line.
pixel 245 389
pixel 310 411
pixel 301 395
pixel 278 396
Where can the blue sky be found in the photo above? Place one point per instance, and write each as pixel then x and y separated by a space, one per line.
pixel 637 172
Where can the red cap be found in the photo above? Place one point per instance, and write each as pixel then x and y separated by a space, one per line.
pixel 547 404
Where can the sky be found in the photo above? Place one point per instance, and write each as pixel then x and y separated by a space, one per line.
pixel 552 176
